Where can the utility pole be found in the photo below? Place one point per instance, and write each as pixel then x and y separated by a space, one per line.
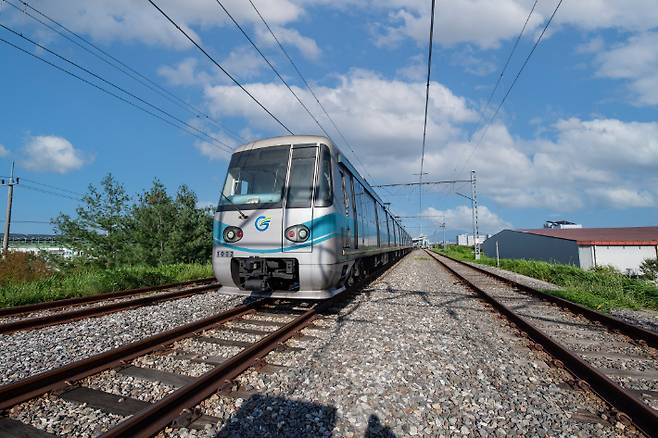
pixel 474 207
pixel 10 183
pixel 443 225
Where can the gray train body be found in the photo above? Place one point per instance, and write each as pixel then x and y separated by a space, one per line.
pixel 296 220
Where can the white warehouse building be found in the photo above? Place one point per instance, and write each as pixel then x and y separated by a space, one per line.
pixel 623 248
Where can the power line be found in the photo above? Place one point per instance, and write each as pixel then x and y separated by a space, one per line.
pixel 120 65
pixel 51 186
pixel 64 70
pixel 509 58
pixel 48 192
pixel 310 89
pixel 516 78
pixel 235 81
pixel 223 145
pixel 427 99
pixel 272 67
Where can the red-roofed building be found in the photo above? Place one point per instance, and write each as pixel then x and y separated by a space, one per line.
pixel 622 248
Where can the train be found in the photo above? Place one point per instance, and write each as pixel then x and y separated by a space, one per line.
pixel 295 220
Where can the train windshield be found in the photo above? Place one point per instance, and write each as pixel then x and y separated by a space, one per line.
pixel 256 179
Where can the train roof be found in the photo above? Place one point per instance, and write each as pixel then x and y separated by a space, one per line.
pixel 282 140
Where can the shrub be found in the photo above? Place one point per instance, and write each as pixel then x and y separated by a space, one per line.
pixel 22 266
pixel 649 269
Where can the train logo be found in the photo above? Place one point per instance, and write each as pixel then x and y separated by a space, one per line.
pixel 263 223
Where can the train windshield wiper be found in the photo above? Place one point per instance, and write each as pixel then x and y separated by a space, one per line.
pixel 242 215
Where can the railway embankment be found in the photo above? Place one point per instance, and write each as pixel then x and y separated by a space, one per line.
pixel 604 289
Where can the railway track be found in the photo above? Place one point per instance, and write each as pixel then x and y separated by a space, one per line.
pixel 224 345
pixel 618 361
pixel 63 311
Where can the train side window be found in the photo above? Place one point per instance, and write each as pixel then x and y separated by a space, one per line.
pixel 346 199
pixel 324 193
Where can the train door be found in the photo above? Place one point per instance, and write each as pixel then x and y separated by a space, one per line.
pixel 347 229
pixel 355 211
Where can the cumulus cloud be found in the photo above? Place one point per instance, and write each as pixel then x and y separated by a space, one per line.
pixel 636 61
pixel 242 62
pixel 49 153
pixel 486 23
pixel 461 218
pixel 593 162
pixel 560 169
pixel 381 115
pixel 127 20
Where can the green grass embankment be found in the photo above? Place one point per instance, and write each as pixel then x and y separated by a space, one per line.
pixel 84 282
pixel 601 289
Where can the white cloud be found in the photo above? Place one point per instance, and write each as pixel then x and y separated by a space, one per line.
pixel 380 115
pixel 3 151
pixel 128 20
pixel 50 153
pixel 307 46
pixel 461 218
pixel 588 163
pixel 383 119
pixel 486 23
pixel 636 61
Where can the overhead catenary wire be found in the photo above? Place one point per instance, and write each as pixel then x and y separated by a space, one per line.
pixel 516 78
pixel 116 63
pixel 225 147
pixel 272 67
pixel 218 65
pixel 310 89
pixel 509 58
pixel 68 72
pixel 427 99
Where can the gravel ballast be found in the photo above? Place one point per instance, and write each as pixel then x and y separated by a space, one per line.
pixel 30 352
pixel 415 354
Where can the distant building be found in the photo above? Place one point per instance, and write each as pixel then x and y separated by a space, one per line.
pixel 37 243
pixel 561 225
pixel 467 239
pixel 420 241
pixel 623 248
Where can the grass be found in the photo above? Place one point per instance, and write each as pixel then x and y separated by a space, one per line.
pixel 84 282
pixel 601 289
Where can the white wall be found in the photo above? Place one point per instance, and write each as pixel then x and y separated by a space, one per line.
pixel 623 258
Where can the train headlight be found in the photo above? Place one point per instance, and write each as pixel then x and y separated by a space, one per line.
pixel 232 234
pixel 298 233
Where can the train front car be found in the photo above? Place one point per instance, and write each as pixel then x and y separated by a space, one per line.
pixel 275 229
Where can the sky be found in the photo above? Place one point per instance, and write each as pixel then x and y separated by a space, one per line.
pixel 576 139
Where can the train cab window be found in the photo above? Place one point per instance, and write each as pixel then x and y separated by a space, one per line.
pixel 323 188
pixel 255 178
pixel 300 182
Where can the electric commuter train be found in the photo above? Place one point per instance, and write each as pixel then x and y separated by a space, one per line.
pixel 296 220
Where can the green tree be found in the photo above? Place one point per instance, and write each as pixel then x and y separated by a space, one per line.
pixel 167 230
pixel 151 225
pixel 191 239
pixel 98 232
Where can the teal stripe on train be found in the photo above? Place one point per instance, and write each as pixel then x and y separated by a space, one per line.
pixel 322 229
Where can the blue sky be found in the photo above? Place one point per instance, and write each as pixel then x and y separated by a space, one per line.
pixel 577 138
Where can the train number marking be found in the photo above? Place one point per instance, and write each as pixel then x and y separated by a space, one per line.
pixel 224 253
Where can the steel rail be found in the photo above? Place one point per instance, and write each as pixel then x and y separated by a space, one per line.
pixel 642 415
pixel 157 416
pixel 58 378
pixel 29 308
pixel 633 331
pixel 89 312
